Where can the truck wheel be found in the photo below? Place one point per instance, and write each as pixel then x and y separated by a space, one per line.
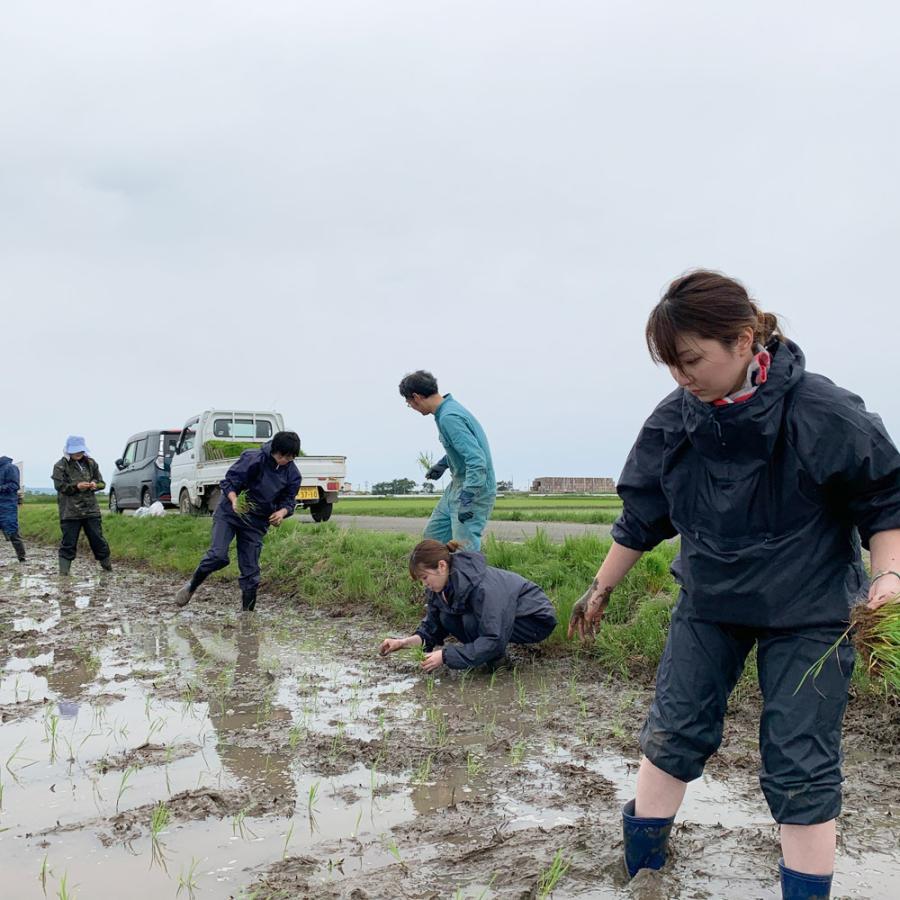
pixel 113 504
pixel 185 507
pixel 146 499
pixel 321 511
pixel 212 500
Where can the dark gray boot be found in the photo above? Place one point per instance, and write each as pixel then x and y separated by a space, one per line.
pixel 105 564
pixel 248 600
pixel 65 566
pixel 18 546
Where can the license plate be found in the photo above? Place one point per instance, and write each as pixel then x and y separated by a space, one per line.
pixel 308 493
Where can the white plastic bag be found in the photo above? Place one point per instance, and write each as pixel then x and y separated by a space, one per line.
pixel 156 509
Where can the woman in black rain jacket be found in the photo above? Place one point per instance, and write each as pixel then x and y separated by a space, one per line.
pixel 772 477
pixel 483 607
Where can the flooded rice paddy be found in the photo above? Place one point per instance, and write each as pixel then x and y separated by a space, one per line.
pixel 150 752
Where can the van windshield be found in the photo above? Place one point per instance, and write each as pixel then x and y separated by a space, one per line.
pixel 168 443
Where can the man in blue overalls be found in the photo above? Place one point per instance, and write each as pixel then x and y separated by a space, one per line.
pixel 466 505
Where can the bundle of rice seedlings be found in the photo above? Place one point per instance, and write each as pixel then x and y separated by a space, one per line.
pixel 245 505
pixel 875 635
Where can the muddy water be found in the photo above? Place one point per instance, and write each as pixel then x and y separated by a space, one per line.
pixel 282 757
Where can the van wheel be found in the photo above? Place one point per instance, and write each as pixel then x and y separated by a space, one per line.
pixel 113 505
pixel 321 511
pixel 185 507
pixel 146 499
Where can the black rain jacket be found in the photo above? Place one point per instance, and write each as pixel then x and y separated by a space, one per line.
pixel 495 597
pixel 770 497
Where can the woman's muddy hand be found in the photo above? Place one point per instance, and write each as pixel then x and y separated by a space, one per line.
pixel 389 645
pixel 885 589
pixel 433 660
pixel 587 612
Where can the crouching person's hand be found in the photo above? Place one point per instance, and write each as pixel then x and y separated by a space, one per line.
pixel 587 613
pixel 277 517
pixel 433 660
pixel 390 645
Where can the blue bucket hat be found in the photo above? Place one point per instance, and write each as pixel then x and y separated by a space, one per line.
pixel 75 444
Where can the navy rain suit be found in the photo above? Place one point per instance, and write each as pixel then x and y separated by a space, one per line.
pixel 770 498
pixel 269 487
pixel 9 505
pixel 484 609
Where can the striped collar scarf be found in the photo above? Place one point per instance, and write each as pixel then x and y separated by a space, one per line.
pixel 757 374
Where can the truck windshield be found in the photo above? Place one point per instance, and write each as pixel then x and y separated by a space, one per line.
pixel 242 428
pixel 167 443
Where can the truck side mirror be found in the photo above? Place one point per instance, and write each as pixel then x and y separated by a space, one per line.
pixel 120 464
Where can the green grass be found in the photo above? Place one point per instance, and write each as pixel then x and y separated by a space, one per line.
pixel 587 510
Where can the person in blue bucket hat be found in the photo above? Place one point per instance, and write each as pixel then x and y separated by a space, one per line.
pixel 9 505
pixel 77 480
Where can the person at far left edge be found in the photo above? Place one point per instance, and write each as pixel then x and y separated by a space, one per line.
pixel 259 490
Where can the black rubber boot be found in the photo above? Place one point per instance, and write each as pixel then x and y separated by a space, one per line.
pixel 18 546
pixel 646 840
pixel 105 564
pixel 800 886
pixel 65 566
pixel 248 600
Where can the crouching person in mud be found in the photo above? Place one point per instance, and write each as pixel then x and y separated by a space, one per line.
pixel 482 607
pixel 77 480
pixel 259 490
pixel 9 506
pixel 771 475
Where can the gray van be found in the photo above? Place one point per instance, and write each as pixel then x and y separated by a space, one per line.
pixel 143 471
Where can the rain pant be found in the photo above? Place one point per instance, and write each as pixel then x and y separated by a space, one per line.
pixel 468 456
pixel 484 609
pixel 9 496
pixel 772 499
pixel 269 487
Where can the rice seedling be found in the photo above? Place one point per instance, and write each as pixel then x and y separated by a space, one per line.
pixel 294 736
pixel 517 752
pixel 551 876
pixel 474 765
pixel 16 756
pixel 123 784
pixel 423 770
pixel 43 873
pixel 239 826
pixel 356 826
pixel 51 726
pixel 187 881
pixel 392 848
pixel 64 892
pixel 425 459
pixel 312 798
pixel 158 821
pixel 875 635
pixel 287 839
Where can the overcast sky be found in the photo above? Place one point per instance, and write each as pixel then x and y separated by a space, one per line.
pixel 289 205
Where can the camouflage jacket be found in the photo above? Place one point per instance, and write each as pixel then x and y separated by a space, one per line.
pixel 75 504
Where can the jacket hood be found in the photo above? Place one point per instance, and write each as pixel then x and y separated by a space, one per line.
pixel 467 571
pixel 5 460
pixel 746 432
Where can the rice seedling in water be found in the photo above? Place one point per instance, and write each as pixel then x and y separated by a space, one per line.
pixel 51 726
pixel 312 798
pixel 474 765
pixel 551 876
pixel 392 848
pixel 44 872
pixel 187 881
pixel 123 783
pixel 875 635
pixel 517 752
pixel 238 826
pixel 287 839
pixel 423 771
pixel 64 892
pixel 158 822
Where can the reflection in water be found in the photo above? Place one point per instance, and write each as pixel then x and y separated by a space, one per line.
pixel 242 708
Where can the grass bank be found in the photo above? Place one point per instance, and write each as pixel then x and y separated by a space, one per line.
pixel 587 510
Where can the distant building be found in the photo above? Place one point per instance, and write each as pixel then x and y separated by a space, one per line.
pixel 346 487
pixel 568 484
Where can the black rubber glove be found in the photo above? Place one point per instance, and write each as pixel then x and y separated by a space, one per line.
pixel 465 506
pixel 435 472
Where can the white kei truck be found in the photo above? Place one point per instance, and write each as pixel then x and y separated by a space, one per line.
pixel 209 444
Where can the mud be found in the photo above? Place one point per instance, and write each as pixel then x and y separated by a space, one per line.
pixel 293 761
